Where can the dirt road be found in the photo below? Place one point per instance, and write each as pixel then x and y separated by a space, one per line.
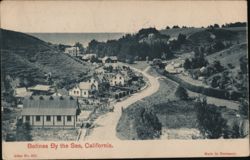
pixel 105 125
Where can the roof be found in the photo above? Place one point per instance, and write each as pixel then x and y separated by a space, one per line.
pixel 71 48
pixel 113 58
pixel 85 85
pixel 105 58
pixel 88 56
pixel 40 87
pixel 22 92
pixel 49 105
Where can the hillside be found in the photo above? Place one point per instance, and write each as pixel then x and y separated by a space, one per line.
pixel 28 59
pixel 174 32
pixel 231 55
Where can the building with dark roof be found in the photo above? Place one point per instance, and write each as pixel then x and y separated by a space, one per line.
pixel 50 111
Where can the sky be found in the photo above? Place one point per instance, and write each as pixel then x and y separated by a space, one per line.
pixel 113 16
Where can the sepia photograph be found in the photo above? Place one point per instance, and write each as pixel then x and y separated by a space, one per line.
pixel 98 72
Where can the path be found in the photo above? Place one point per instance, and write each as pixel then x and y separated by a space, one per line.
pixel 105 125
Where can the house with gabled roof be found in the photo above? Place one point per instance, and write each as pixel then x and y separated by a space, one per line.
pixel 22 92
pixel 117 80
pixel 83 89
pixel 50 111
pixel 109 59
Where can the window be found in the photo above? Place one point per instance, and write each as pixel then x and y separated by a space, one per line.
pixel 74 92
pixel 68 118
pixel 59 118
pixel 120 77
pixel 38 118
pixel 77 92
pixel 48 118
pixel 27 118
pixel 84 93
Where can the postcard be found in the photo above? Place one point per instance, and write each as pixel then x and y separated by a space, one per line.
pixel 124 79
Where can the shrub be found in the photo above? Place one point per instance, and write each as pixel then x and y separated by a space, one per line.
pixel 148 125
pixel 23 131
pixel 211 123
pixel 181 93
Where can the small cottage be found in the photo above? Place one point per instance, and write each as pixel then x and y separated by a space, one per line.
pixel 117 79
pixel 22 92
pixel 83 89
pixel 73 51
pixel 95 80
pixel 50 111
pixel 106 59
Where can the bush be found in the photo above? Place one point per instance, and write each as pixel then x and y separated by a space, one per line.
pixel 244 107
pixel 23 131
pixel 148 125
pixel 211 123
pixel 181 93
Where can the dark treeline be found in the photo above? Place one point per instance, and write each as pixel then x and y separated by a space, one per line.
pixel 146 43
pixel 151 43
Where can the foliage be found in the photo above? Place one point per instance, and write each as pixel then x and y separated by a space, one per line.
pixel 244 107
pixel 236 24
pixel 197 61
pixel 148 125
pixel 23 131
pixel 218 46
pixel 181 93
pixel 211 123
pixel 80 46
pixel 138 45
pixel 243 65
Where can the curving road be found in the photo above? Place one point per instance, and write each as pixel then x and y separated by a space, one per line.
pixel 105 125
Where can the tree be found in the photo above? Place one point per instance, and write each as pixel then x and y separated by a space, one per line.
pixel 167 27
pixel 210 121
pixel 176 26
pixel 181 93
pixel 218 67
pixel 80 46
pixel 148 125
pixel 244 107
pixel 243 65
pixel 187 64
pixel 181 38
pixel 219 46
pixel 216 26
pixel 23 131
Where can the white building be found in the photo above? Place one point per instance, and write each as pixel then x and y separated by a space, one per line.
pixel 73 51
pixel 94 81
pixel 116 80
pixel 84 89
pixel 50 111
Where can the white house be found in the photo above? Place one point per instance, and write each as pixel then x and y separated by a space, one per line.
pixel 73 51
pixel 95 81
pixel 75 92
pixel 83 89
pixel 111 59
pixel 88 57
pixel 50 111
pixel 117 79
pixel 22 92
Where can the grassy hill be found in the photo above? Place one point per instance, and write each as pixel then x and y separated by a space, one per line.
pixel 29 58
pixel 174 32
pixel 230 55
